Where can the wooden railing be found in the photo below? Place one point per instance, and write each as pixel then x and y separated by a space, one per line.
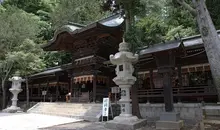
pixel 179 92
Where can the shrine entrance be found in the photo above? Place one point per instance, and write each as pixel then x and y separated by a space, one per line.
pixel 89 88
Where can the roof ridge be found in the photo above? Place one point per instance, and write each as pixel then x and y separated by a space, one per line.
pixel 112 15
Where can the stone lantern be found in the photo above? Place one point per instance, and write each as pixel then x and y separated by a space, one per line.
pixel 15 89
pixel 124 79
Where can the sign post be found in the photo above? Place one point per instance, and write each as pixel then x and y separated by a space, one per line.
pixel 105 108
pixel 44 93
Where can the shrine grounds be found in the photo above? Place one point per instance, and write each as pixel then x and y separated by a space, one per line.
pixel 24 121
pixel 30 121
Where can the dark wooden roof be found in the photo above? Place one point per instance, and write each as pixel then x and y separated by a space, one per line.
pixel 193 47
pixel 191 42
pixel 51 71
pixel 161 47
pixel 65 37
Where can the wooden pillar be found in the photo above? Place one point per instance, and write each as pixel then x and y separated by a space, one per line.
pixel 71 85
pixel 180 81
pixel 94 87
pixel 108 82
pixel 151 79
pixel 38 90
pixel 166 64
pixel 47 84
pixel 57 85
pixel 31 90
pixel 180 76
pixel 168 92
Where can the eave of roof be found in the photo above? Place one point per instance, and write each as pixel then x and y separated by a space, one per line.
pixel 188 42
pixel 113 21
pixel 161 47
pixel 51 70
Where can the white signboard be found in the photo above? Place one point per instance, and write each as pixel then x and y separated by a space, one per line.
pixel 44 93
pixel 105 107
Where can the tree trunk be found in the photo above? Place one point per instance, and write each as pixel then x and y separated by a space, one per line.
pixel 3 95
pixel 134 97
pixel 129 17
pixel 210 39
pixel 129 21
pixel 135 104
pixel 27 92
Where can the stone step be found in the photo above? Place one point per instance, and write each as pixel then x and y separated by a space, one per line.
pixel 89 112
pixel 211 124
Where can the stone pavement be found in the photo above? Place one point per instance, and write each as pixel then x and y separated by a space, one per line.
pixel 100 126
pixel 23 121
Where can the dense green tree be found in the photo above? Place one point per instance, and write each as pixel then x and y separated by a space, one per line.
pixel 213 7
pixel 29 61
pixel 31 6
pixel 15 29
pixel 83 12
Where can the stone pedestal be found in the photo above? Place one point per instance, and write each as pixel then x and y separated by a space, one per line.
pixel 169 125
pixel 124 79
pixel 169 121
pixel 124 124
pixel 15 89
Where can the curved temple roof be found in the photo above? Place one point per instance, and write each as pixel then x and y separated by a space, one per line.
pixel 188 43
pixel 113 21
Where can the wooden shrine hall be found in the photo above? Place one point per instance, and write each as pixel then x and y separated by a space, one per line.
pixel 89 77
pixel 90 46
pixel 183 65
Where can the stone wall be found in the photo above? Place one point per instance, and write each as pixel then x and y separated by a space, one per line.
pixel 188 111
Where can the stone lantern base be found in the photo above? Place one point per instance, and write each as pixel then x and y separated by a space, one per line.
pixel 12 109
pixel 126 123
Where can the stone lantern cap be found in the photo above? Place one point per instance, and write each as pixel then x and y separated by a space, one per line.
pixel 16 77
pixel 123 55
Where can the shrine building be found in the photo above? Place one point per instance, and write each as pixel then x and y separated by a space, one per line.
pixel 89 77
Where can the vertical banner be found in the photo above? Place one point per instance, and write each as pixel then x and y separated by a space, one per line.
pixel 105 107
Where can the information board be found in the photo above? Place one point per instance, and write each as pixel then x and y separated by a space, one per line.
pixel 44 93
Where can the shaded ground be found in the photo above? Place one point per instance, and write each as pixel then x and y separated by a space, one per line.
pixel 85 126
pixel 99 126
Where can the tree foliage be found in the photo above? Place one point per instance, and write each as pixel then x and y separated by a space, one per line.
pixel 13 36
pixel 83 12
pixel 214 10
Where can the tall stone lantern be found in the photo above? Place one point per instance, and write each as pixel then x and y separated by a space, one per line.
pixel 15 90
pixel 124 79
